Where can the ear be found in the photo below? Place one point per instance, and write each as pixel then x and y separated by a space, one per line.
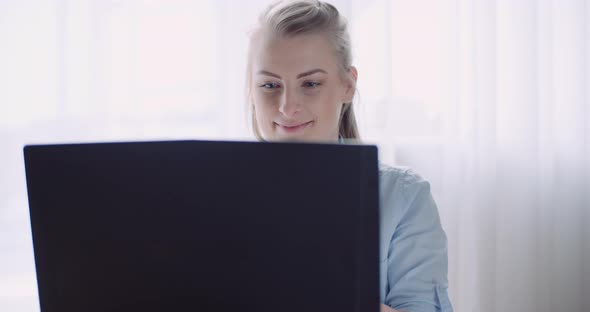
pixel 351 77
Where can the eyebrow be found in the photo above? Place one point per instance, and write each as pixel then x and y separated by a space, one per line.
pixel 307 73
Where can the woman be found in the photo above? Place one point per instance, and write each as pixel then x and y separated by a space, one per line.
pixel 300 86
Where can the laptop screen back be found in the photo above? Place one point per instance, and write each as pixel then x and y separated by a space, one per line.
pixel 204 226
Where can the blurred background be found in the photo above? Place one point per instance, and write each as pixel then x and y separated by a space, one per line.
pixel 487 99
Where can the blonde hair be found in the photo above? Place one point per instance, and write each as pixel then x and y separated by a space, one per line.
pixel 286 19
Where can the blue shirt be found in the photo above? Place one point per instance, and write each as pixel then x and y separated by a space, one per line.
pixel 413 245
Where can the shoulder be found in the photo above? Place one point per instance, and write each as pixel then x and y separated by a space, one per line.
pixel 401 180
pixel 413 243
pixel 404 195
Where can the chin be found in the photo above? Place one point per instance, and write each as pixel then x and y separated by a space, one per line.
pixel 304 138
pixel 292 138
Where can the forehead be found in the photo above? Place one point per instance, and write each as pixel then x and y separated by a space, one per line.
pixel 293 54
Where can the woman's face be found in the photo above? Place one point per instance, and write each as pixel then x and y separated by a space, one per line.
pixel 298 88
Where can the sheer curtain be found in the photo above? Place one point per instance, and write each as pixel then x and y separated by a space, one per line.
pixel 490 101
pixel 487 99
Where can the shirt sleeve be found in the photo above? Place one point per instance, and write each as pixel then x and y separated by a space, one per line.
pixel 417 255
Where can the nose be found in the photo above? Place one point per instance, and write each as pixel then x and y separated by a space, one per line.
pixel 289 105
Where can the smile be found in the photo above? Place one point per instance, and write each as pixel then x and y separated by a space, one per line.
pixel 293 128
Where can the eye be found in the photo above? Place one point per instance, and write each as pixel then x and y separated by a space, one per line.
pixel 269 85
pixel 311 84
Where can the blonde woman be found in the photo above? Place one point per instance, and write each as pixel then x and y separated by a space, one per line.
pixel 300 86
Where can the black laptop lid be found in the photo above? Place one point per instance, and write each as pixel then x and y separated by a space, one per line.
pixel 204 226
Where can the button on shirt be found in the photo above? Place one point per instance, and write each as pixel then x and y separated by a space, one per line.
pixel 413 245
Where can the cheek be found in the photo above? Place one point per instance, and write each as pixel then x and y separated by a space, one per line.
pixel 262 104
pixel 329 109
pixel 264 115
pixel 264 101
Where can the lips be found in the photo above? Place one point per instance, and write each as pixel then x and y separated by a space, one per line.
pixel 293 127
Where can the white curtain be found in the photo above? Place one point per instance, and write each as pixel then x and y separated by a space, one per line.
pixel 490 101
pixel 487 99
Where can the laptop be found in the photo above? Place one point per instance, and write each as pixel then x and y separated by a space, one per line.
pixel 204 226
